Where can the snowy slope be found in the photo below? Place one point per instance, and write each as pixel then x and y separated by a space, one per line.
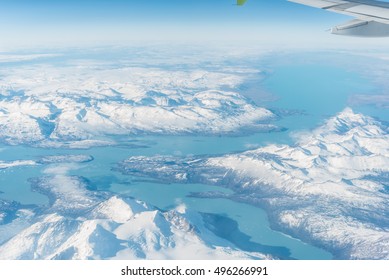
pixel 46 160
pixel 330 189
pixel 9 164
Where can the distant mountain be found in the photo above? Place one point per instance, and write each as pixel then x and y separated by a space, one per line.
pixel 51 106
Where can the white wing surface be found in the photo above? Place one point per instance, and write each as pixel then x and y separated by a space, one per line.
pixel 372 17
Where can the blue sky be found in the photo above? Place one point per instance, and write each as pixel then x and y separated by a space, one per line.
pixel 85 21
pixel 129 11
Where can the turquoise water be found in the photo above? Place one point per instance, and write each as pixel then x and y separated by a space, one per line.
pixel 315 91
pixel 318 92
pixel 15 186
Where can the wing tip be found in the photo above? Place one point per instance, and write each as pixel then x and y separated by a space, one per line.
pixel 241 2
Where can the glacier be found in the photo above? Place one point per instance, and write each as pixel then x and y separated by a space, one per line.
pixel 329 189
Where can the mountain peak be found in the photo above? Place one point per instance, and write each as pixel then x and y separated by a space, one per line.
pixel 348 119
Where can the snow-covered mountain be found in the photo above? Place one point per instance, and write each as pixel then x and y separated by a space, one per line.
pixel 330 189
pixel 44 105
pixel 81 223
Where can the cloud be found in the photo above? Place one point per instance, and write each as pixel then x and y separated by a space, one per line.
pixel 379 101
pixel 6 58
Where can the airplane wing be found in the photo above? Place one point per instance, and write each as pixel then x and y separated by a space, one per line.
pixel 364 10
pixel 372 17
